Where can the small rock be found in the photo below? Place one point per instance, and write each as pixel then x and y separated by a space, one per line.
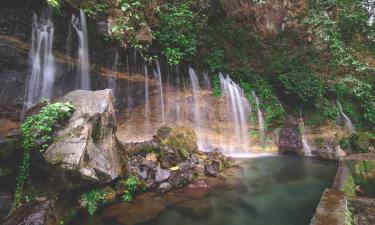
pixel 165 186
pixel 339 153
pixel 212 168
pixel 177 179
pixel 198 170
pixel 194 158
pixel 151 157
pixel 162 175
pixel 150 184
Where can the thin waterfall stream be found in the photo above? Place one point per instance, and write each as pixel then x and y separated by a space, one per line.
pixel 42 75
pixel 262 140
pixel 79 24
pixel 348 123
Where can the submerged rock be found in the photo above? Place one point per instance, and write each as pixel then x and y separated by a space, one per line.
pixel 85 151
pixel 165 186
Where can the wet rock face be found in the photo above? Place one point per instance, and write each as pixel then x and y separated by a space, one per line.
pixel 86 151
pixel 6 200
pixel 30 214
pixel 290 140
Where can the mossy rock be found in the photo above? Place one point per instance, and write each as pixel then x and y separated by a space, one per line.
pixel 182 140
pixel 359 142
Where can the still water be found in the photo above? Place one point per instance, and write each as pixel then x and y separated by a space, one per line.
pixel 282 190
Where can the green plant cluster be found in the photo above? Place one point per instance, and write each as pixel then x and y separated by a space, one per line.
pixel 92 7
pixel 56 4
pixel 343 25
pixel 92 200
pixel 131 185
pixel 37 131
pixel 358 142
pixel 270 106
pixel 359 93
pixel 294 76
pixel 177 31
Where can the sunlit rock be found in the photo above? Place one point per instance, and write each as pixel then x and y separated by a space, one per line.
pixel 85 150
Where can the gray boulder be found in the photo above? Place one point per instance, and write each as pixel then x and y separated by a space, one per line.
pixel 85 150
pixel 162 175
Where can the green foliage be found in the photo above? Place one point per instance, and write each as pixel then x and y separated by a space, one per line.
pixel 274 112
pixel 92 7
pixel 92 200
pixel 54 3
pixel 132 185
pixel 351 88
pixel 216 86
pixel 177 31
pixel 344 34
pixel 348 215
pixel 295 77
pixel 304 84
pixel 215 59
pixel 359 142
pixel 37 133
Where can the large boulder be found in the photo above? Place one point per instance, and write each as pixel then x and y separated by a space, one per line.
pixel 85 150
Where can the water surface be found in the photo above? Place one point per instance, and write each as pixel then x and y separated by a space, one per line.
pixel 282 190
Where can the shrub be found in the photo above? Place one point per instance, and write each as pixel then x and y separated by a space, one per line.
pixel 91 200
pixel 37 133
pixel 177 32
pixel 359 142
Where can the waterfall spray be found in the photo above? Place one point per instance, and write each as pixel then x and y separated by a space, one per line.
pixel 239 110
pixel 79 25
pixel 112 79
pixel 195 89
pixel 42 75
pixel 348 123
pixel 158 77
pixel 260 121
pixel 306 147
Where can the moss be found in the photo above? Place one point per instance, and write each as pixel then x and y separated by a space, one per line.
pixel 96 128
pixel 5 171
pixel 349 186
pixel 362 173
pixel 360 142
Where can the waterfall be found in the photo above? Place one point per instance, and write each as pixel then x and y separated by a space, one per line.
pixel 260 121
pixel 306 147
pixel 41 79
pixel 207 80
pixel 238 112
pixel 158 77
pixel 112 79
pixel 79 25
pixel 195 89
pixel 147 100
pixel 348 123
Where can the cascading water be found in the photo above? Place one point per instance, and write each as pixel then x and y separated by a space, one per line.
pixel 260 121
pixel 42 75
pixel 158 77
pixel 112 79
pixel 195 89
pixel 306 147
pixel 79 25
pixel 207 81
pixel 348 123
pixel 147 101
pixel 239 111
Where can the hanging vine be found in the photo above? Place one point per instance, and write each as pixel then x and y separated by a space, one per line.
pixel 37 133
